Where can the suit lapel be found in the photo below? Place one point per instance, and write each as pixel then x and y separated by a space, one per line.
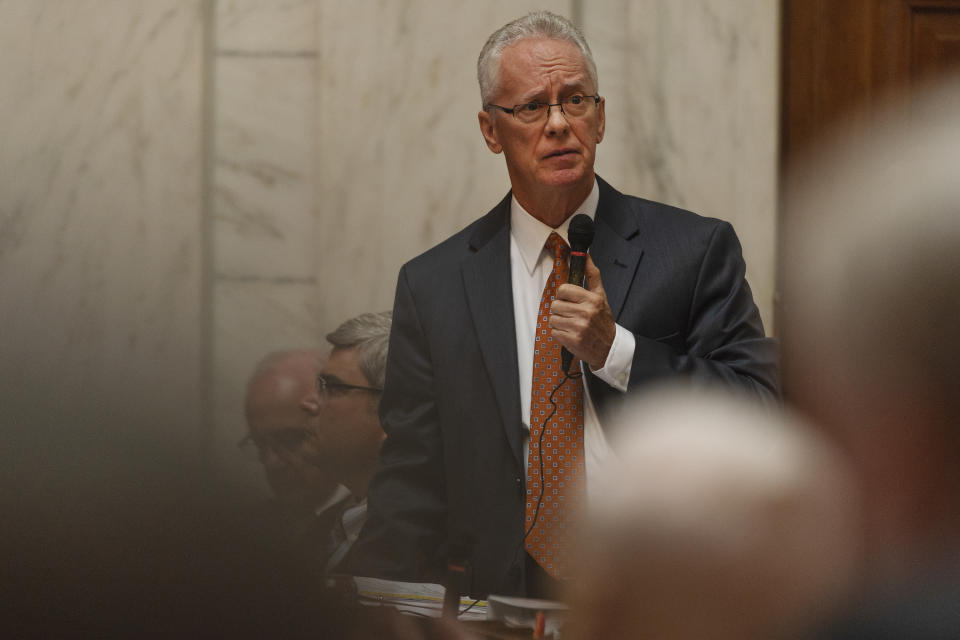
pixel 616 246
pixel 486 275
pixel 487 281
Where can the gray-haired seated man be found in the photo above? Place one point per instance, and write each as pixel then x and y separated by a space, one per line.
pixel 347 435
pixel 314 423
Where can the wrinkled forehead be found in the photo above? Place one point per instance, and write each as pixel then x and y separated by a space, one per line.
pixel 343 365
pixel 543 64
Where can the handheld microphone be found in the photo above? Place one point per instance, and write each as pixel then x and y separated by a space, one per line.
pixel 457 576
pixel 580 237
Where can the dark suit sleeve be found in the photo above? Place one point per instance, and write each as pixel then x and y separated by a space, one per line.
pixel 724 341
pixel 406 509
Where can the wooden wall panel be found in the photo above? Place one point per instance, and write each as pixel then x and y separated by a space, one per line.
pixel 935 42
pixel 844 60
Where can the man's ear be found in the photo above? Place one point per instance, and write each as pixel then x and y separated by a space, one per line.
pixel 489 134
pixel 602 122
pixel 311 404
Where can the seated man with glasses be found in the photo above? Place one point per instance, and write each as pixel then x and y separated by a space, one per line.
pixel 313 422
pixel 345 439
pixel 281 408
pixel 480 319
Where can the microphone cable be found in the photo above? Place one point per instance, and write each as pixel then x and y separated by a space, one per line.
pixel 543 428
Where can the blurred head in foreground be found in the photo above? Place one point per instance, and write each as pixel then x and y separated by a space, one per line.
pixel 717 519
pixel 871 310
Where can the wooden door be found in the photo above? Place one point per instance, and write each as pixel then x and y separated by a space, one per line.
pixel 844 59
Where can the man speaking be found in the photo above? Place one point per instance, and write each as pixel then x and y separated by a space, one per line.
pixel 490 444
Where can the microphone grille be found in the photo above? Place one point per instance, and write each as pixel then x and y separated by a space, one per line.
pixel 580 233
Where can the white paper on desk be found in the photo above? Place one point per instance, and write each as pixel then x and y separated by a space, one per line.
pixel 522 612
pixel 418 598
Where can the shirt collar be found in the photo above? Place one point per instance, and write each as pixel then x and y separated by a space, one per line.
pixel 530 235
pixel 339 494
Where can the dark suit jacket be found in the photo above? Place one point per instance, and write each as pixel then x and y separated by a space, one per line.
pixel 451 469
pixel 925 609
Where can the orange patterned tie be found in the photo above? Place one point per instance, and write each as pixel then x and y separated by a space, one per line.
pixel 561 451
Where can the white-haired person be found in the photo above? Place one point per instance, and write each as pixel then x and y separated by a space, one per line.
pixel 871 308
pixel 715 519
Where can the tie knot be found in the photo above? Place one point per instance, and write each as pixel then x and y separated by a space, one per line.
pixel 557 246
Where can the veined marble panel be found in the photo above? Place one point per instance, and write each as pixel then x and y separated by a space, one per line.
pixel 100 205
pixel 252 319
pixel 266 25
pixel 692 113
pixel 265 167
pixel 402 164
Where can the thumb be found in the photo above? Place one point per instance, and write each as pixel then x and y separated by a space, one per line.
pixel 594 283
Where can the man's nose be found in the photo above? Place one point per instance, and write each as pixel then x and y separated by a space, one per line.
pixel 556 120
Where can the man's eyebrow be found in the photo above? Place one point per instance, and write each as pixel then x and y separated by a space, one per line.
pixel 533 95
pixel 567 88
pixel 579 85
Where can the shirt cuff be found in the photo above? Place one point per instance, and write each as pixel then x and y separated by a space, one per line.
pixel 616 370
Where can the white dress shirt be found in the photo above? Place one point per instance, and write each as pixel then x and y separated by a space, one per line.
pixel 530 266
pixel 346 531
pixel 339 494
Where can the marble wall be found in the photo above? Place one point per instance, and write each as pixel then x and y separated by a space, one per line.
pixel 186 185
pixel 402 164
pixel 346 143
pixel 692 120
pixel 264 276
pixel 693 113
pixel 385 134
pixel 100 215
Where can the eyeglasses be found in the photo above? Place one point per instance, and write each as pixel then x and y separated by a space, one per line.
pixel 279 440
pixel 576 106
pixel 327 387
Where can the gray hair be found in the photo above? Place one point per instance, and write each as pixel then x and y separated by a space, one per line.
pixel 538 24
pixel 369 334
pixel 702 481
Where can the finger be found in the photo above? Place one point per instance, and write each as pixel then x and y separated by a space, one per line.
pixel 566 323
pixel 594 282
pixel 564 308
pixel 287 456
pixel 573 293
pixel 565 338
pixel 577 344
